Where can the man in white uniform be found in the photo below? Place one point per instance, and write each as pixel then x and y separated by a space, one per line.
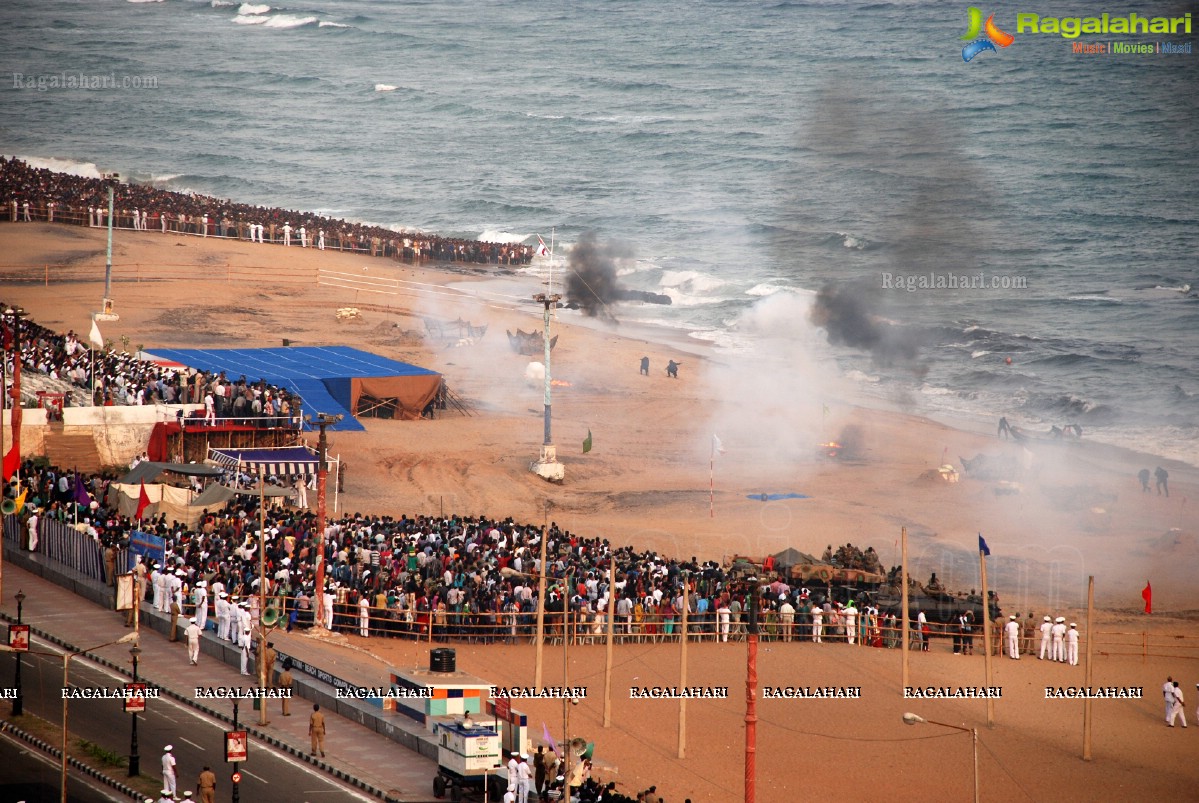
pixel 1046 628
pixel 222 616
pixel 850 613
pixel 1168 693
pixel 193 642
pixel 287 234
pixel 201 603
pixel 168 770
pixel 244 643
pixel 1176 709
pixel 1058 632
pixel 523 773
pixel 1012 631
pixel 364 616
pixel 1072 645
pixel 817 623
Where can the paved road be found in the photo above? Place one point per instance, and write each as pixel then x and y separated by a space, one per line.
pixel 197 739
pixel 29 775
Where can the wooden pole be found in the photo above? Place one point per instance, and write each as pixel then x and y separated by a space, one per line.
pixel 683 674
pixel 904 616
pixel 982 563
pixel 1086 704
pixel 751 697
pixel 540 607
pixel 262 679
pixel 611 630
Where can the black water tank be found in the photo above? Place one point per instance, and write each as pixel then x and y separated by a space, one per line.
pixel 443 659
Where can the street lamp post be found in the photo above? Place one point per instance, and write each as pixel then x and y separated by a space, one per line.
pixel 111 180
pixel 135 760
pixel 66 663
pixel 18 703
pixel 912 719
pixel 548 467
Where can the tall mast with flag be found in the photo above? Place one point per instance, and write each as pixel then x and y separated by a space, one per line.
pixel 547 465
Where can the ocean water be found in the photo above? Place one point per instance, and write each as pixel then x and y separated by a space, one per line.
pixel 746 153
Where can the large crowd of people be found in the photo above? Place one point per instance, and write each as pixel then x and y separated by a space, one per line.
pixel 107 376
pixel 39 194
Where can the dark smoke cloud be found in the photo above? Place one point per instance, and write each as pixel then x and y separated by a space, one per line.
pixel 591 283
pixel 848 314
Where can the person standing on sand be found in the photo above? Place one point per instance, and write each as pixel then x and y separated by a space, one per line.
pixel 1143 476
pixel 1046 636
pixel 645 366
pixel 1072 645
pixel 1012 630
pixel 1168 693
pixel 1163 481
pixel 1177 706
pixel 1030 628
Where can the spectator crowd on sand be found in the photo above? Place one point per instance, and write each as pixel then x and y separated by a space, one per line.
pixel 39 194
pixel 120 378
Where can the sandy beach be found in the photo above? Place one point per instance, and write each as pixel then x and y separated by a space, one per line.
pixel 1078 511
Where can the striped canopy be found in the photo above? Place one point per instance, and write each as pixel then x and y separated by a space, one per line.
pixel 286 460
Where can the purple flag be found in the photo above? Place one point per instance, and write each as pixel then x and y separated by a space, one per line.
pixel 81 494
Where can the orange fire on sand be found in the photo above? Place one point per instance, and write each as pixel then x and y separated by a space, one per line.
pixel 832 448
pixel 559 383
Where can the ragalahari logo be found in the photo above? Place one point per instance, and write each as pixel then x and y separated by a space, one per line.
pixel 991 35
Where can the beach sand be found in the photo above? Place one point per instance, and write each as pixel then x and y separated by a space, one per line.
pixel 1079 512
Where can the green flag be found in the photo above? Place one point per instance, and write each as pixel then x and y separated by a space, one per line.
pixel 587 443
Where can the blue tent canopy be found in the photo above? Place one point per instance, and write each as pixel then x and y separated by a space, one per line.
pixel 328 379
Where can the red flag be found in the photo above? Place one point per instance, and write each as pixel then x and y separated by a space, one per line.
pixel 143 501
pixel 12 462
pixel 1147 595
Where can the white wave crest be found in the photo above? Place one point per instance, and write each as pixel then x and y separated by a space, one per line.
pixel 143 1
pixel 499 236
pixel 690 280
pixel 858 376
pixel 384 88
pixel 974 355
pixel 327 24
pixel 69 166
pixel 243 19
pixel 223 3
pixel 766 289
pixel 1108 299
pixel 253 8
pixel 849 241
pixel 289 21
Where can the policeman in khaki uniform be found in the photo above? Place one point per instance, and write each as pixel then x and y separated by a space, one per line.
pixel 316 731
pixel 207 786
pixel 285 681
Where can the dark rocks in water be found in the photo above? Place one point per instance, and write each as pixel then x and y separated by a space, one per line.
pixel 624 294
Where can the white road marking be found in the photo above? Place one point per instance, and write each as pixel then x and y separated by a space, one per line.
pixel 193 744
pixel 252 775
pixel 81 661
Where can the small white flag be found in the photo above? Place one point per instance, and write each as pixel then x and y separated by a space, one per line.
pixel 717 446
pixel 542 250
pixel 95 338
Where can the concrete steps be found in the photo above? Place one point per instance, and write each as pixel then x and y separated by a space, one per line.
pixel 74 452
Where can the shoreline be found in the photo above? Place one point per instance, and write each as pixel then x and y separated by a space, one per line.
pixel 647 481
